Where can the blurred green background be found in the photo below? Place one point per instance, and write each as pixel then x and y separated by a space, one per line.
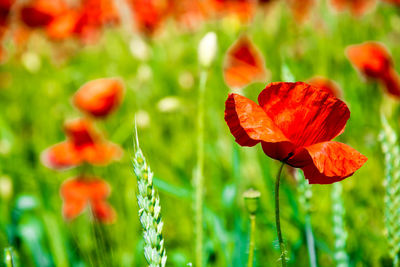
pixel 162 91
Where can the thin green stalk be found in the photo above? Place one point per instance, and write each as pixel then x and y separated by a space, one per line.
pixel 9 258
pixel 277 218
pixel 199 177
pixel 252 240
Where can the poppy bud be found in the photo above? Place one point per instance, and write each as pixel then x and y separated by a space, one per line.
pixel 99 97
pixel 207 49
pixel 251 200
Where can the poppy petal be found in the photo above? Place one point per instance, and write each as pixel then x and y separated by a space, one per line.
pixel 248 122
pixel 332 162
pixel 99 97
pixel 75 197
pixel 101 153
pixel 305 114
pixel 391 81
pixel 243 64
pixel 61 156
pixel 371 58
pixel 103 211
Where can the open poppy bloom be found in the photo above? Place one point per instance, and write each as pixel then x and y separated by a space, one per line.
pixel 243 64
pixel 374 61
pixel 356 7
pixel 83 144
pixel 295 123
pixel 99 97
pixel 326 84
pixel 81 192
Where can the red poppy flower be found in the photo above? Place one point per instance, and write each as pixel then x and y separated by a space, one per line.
pixel 244 10
pixel 39 13
pixel 356 7
pixel 295 123
pixel 83 144
pixel 93 15
pixel 149 15
pixel 81 192
pixel 326 85
pixel 63 26
pixel 374 61
pixel 99 97
pixel 243 64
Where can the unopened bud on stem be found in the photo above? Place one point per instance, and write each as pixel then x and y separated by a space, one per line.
pixel 207 49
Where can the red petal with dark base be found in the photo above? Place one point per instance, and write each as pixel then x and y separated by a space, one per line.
pixel 331 162
pixel 306 115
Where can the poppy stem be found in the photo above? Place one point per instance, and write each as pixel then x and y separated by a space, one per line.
pixel 199 179
pixel 277 218
pixel 252 240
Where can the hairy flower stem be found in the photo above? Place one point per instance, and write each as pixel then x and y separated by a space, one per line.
pixel 199 177
pixel 277 218
pixel 252 240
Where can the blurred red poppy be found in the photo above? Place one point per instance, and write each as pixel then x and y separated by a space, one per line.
pixel 326 85
pixel 374 61
pixel 99 97
pixel 63 26
pixel 93 15
pixel 243 64
pixel 149 15
pixel 190 13
pixel 295 123
pixel 356 7
pixel 39 13
pixel 81 192
pixel 83 144
pixel 243 9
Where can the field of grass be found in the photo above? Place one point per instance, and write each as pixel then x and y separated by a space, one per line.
pixel 345 220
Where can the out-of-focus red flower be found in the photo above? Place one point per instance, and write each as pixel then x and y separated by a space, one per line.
pixel 93 15
pixel 295 123
pixel 374 61
pixel 39 13
pixel 326 85
pixel 190 13
pixel 99 97
pixel 63 26
pixel 301 9
pixel 81 192
pixel 149 15
pixel 356 7
pixel 83 144
pixel 243 9
pixel 243 64
pixel 5 8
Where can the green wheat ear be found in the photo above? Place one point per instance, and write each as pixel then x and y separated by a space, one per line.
pixel 390 149
pixel 149 210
